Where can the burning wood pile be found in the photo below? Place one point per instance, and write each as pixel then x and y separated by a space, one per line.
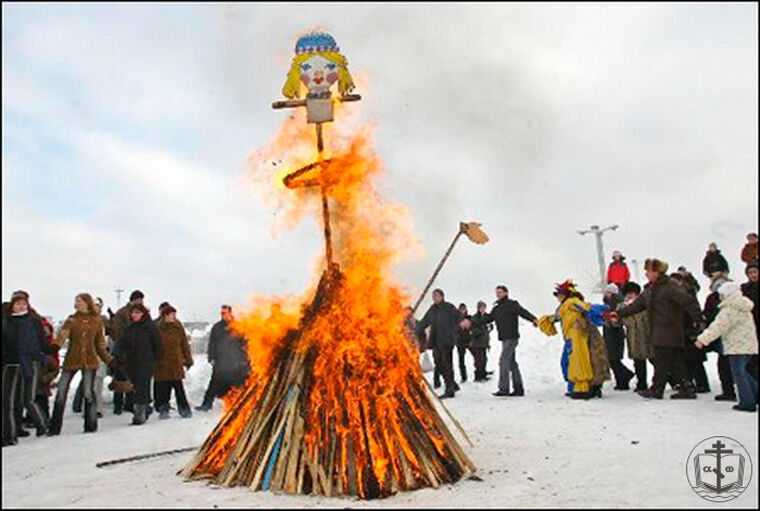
pixel 336 403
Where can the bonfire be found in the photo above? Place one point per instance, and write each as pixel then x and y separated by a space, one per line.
pixel 336 403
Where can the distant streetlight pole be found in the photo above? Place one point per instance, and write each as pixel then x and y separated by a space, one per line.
pixel 599 250
pixel 635 263
pixel 119 291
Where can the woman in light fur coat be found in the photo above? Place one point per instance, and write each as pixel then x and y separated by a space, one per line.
pixel 736 326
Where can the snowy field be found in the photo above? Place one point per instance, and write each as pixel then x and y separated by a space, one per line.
pixel 542 450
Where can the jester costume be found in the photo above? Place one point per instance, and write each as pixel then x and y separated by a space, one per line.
pixel 584 358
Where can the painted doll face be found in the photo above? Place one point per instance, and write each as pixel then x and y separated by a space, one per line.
pixel 318 74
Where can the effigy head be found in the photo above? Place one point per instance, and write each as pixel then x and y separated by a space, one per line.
pixel 318 64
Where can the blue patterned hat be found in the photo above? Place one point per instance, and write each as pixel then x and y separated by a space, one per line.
pixel 316 42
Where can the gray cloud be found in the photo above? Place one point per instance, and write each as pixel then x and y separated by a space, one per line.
pixel 537 120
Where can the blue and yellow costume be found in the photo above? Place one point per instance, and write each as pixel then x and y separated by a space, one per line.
pixel 574 314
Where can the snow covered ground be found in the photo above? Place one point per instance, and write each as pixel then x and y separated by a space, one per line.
pixel 542 450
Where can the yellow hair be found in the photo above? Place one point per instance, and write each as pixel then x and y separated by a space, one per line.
pixel 292 87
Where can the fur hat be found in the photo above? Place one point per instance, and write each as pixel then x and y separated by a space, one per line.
pixel 631 287
pixel 657 265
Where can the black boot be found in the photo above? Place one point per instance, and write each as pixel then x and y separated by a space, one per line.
pixel 651 393
pixel 725 397
pixel 90 417
pixel 596 391
pixel 581 395
pixel 139 414
pixel 76 405
pixel 54 428
pixel 517 392
pixel 685 391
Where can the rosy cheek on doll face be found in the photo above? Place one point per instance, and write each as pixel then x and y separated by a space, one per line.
pixel 305 79
pixel 332 77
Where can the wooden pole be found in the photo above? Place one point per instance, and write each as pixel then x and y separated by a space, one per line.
pixel 325 206
pixel 437 270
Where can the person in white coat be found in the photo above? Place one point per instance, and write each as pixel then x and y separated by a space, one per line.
pixel 736 326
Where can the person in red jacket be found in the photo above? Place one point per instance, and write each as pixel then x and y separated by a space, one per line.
pixel 617 272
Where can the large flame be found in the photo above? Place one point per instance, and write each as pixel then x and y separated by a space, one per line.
pixel 365 404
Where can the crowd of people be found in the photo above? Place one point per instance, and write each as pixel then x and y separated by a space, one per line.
pixel 145 358
pixel 661 324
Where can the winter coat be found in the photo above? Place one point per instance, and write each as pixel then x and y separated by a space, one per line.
pixel 749 252
pixel 464 338
pixel 227 352
pixel 443 319
pixel 139 349
pixel 617 273
pixel 733 324
pixel 51 364
pixel 714 262
pixel 175 352
pixel 614 335
pixel 665 301
pixel 505 314
pixel 86 342
pixel 480 331
pixel 749 289
pixel 119 322
pixel 587 363
pixel 637 335
pixel 24 340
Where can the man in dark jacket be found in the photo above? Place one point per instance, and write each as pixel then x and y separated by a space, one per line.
pixel 614 341
pixel 749 289
pixel 442 318
pixel 505 314
pixel 714 261
pixel 480 335
pixel 228 354
pixel 694 357
pixel 463 343
pixel 665 302
pixel 138 351
pixel 118 322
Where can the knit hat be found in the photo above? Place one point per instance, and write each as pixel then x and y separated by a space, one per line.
pixel 631 287
pixel 316 42
pixel 654 264
pixel 728 288
pixel 611 288
pixel 136 294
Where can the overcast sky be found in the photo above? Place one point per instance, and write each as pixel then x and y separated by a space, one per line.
pixel 126 130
